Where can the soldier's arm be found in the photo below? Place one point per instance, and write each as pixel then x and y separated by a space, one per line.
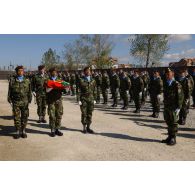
pixel 141 84
pixel 30 93
pixel 9 97
pixel 118 82
pixel 180 95
pixel 95 90
pixel 79 89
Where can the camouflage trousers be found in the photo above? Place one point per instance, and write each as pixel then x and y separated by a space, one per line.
pixel 87 108
pixel 124 96
pixel 105 95
pixel 55 112
pixel 155 103
pixel 137 100
pixel 144 96
pixel 73 89
pixel 98 94
pixel 21 113
pixel 41 105
pixel 115 96
pixel 171 120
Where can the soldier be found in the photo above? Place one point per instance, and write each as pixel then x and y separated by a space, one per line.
pixel 77 78
pixel 55 106
pixel 173 99
pixel 19 96
pixel 146 80
pixel 39 92
pixel 72 84
pixel 115 85
pixel 193 92
pixel 87 97
pixel 98 80
pixel 125 85
pixel 186 86
pixel 137 88
pixel 105 86
pixel 155 90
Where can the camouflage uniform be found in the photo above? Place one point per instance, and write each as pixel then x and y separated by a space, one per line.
pixel 105 87
pixel 186 86
pixel 38 87
pixel 98 80
pixel 55 107
pixel 146 81
pixel 19 94
pixel 137 88
pixel 115 85
pixel 73 84
pixel 173 99
pixel 193 91
pixel 125 85
pixel 155 89
pixel 77 78
pixel 87 95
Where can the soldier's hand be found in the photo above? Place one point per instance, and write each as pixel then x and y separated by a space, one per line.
pixel 186 101
pixel 34 94
pixel 159 96
pixel 140 94
pixel 94 102
pixel 177 111
pixel 80 103
pixel 127 91
pixel 117 90
pixel 144 89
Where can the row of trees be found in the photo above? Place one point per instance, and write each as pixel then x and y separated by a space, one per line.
pixel 96 50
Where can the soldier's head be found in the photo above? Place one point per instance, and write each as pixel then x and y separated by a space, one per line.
pixel 136 72
pixel 182 73
pixel 156 73
pixel 193 70
pixel 87 71
pixel 19 70
pixel 41 69
pixel 53 71
pixel 169 74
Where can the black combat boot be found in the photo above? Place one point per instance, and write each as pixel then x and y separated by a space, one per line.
pixel 52 134
pixel 40 119
pixel 172 141
pixel 58 132
pixel 137 110
pixel 166 140
pixel 43 120
pixel 84 129
pixel 153 114
pixel 89 130
pixel 156 115
pixel 24 135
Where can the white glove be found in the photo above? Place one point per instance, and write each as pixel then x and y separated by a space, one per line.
pixel 94 102
pixel 159 96
pixel 140 94
pixel 34 94
pixel 144 89
pixel 186 102
pixel 80 103
pixel 177 111
pixel 117 90
pixel 127 92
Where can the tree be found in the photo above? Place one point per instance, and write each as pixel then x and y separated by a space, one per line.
pixel 50 58
pixel 149 47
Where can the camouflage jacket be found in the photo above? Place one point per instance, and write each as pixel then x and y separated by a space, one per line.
pixel 186 86
pixel 125 83
pixel 72 80
pixel 98 80
pixel 114 81
pixel 137 85
pixel 105 82
pixel 191 82
pixel 55 94
pixel 146 80
pixel 19 92
pixel 86 90
pixel 156 86
pixel 38 82
pixel 173 95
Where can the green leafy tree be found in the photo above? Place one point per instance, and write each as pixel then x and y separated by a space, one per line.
pixel 149 48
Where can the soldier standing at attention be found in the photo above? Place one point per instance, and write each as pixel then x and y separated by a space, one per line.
pixel 155 90
pixel 186 86
pixel 125 85
pixel 137 88
pixel 39 92
pixel 55 106
pixel 193 92
pixel 173 99
pixel 87 97
pixel 105 86
pixel 72 84
pixel 19 96
pixel 115 85
pixel 98 80
pixel 146 80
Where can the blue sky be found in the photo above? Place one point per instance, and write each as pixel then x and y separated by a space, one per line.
pixel 28 49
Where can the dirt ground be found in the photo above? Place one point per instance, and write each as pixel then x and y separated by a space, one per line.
pixel 120 135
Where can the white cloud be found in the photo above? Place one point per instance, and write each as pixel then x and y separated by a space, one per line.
pixel 180 37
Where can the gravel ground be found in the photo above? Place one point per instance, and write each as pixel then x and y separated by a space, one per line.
pixel 120 135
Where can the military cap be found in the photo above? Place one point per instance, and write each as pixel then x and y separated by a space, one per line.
pixel 136 70
pixel 18 67
pixel 167 70
pixel 41 67
pixel 52 69
pixel 86 68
